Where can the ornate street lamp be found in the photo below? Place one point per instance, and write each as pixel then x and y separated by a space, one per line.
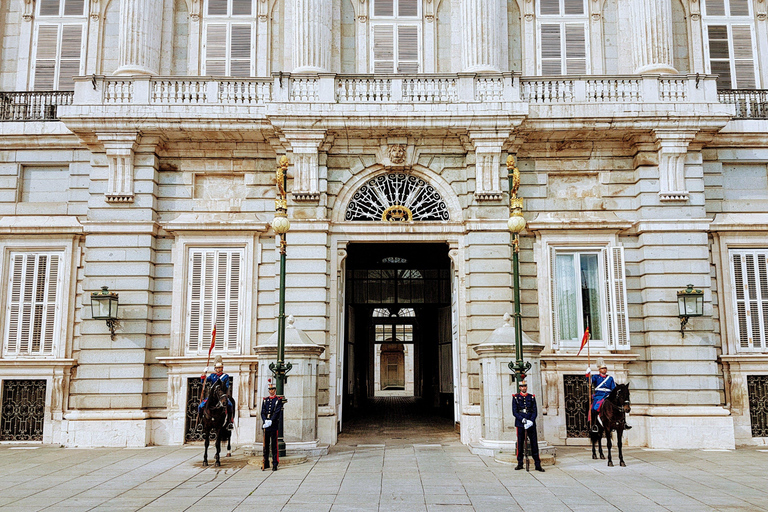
pixel 690 302
pixel 281 225
pixel 516 224
pixel 104 307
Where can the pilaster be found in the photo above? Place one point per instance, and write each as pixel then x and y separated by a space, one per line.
pixel 312 35
pixel 481 37
pixel 672 148
pixel 488 146
pixel 307 180
pixel 140 37
pixel 652 36
pixel 120 149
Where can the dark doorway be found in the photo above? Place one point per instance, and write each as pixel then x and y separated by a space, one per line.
pixel 398 301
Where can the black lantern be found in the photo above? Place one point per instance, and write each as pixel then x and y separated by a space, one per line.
pixel 104 307
pixel 690 303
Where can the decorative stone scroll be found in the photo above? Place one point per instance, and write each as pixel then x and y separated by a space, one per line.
pixel 672 148
pixel 120 149
pixel 306 164
pixel 488 147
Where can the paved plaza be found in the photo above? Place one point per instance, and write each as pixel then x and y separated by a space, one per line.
pixel 429 470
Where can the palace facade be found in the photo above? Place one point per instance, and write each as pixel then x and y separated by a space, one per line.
pixel 138 147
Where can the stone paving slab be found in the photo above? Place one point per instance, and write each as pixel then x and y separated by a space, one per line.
pixel 398 475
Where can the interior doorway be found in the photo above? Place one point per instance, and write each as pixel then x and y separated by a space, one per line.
pixel 398 350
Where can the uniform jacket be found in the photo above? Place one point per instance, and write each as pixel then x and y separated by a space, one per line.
pixel 212 378
pixel 272 409
pixel 523 408
pixel 603 387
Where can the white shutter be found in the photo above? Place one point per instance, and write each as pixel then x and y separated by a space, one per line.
pixel 242 7
pixel 739 7
pixel 216 50
pixel 45 57
pixel 49 7
pixel 71 49
pixel 617 300
pixel 233 303
pixel 194 291
pixel 408 7
pixel 208 299
pixel 74 7
pixel 383 8
pixel 51 304
pixel 573 7
pixel 554 299
pixel 407 49
pixel 743 57
pixel 715 7
pixel 549 7
pixel 575 49
pixel 217 7
pixel 551 57
pixel 240 51
pixel 750 279
pixel 719 55
pixel 383 48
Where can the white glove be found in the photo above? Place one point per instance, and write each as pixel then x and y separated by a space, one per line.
pixel 267 424
pixel 589 371
pixel 528 424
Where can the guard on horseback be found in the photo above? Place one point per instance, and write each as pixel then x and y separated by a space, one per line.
pixel 602 384
pixel 524 411
pixel 219 375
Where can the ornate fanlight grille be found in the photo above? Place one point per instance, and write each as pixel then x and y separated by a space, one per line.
pixel 397 197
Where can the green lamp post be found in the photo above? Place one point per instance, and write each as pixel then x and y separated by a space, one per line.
pixel 516 224
pixel 281 225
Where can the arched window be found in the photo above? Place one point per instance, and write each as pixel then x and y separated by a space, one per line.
pixel 397 197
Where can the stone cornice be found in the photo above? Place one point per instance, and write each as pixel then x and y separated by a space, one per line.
pixel 740 222
pixel 604 221
pixel 215 223
pixel 40 225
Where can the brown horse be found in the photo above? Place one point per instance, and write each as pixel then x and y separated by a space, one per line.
pixel 214 418
pixel 612 416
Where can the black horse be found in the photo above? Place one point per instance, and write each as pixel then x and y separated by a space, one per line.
pixel 612 416
pixel 213 416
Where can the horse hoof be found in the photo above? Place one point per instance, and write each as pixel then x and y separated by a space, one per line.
pixel 610 463
pixel 205 463
pixel 602 456
pixel 622 464
pixel 229 454
pixel 217 464
pixel 594 457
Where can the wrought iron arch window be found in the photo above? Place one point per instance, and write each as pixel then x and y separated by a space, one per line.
pixel 397 197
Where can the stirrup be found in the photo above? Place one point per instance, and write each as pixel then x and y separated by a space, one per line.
pixel 594 429
pixel 230 426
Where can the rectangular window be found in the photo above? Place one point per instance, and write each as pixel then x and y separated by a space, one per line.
pixel 228 49
pixel 588 290
pixel 229 7
pixel 31 319
pixel 393 333
pixel 58 50
pixel 396 44
pixel 61 8
pixel 750 291
pixel 731 43
pixel 44 184
pixel 562 37
pixel 213 298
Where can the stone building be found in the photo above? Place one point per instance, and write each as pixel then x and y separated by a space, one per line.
pixel 138 146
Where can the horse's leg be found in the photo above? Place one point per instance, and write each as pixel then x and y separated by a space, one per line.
pixel 600 432
pixel 218 448
pixel 205 453
pixel 229 443
pixel 619 433
pixel 608 444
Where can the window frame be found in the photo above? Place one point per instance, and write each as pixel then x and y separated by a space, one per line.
pixel 729 21
pixel 229 20
pixel 733 303
pixel 563 20
pixel 396 21
pixel 60 23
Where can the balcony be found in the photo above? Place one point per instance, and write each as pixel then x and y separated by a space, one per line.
pixel 750 103
pixel 33 106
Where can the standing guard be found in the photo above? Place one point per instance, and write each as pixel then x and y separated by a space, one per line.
pixel 271 415
pixel 524 410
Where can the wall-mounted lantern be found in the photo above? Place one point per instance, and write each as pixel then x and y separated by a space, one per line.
pixel 690 302
pixel 104 307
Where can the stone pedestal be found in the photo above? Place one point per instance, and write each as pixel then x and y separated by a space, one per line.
pixel 498 386
pixel 300 409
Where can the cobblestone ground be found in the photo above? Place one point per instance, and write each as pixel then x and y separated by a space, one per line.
pixel 386 472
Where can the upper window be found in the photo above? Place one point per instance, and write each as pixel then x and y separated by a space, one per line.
pixel 562 37
pixel 588 290
pixel 213 298
pixel 31 319
pixel 396 36
pixel 58 44
pixel 749 269
pixel 229 38
pixel 730 43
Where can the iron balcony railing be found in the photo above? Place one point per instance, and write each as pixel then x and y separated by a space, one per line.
pixel 750 103
pixel 33 106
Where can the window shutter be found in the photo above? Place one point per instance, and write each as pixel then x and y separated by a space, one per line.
pixel 383 8
pixel 71 45
pixel 74 7
pixel 739 7
pixel 610 337
pixel 240 51
pixel 208 300
pixel 383 48
pixel 194 290
pixel 407 49
pixel 51 304
pixel 619 316
pixel 740 313
pixel 241 7
pixel 719 55
pixel 27 299
pixel 762 264
pixel 575 49
pixel 408 8
pixel 743 57
pixel 551 60
pixel 715 7
pixel 233 304
pixel 45 57
pixel 49 7
pixel 553 298
pixel 574 6
pixel 217 7
pixel 216 50
pixel 12 342
pixel 549 7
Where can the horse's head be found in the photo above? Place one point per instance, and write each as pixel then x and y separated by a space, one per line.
pixel 622 397
pixel 217 396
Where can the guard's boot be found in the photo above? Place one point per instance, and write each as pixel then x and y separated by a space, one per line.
pixel 274 466
pixel 265 466
pixel 627 427
pixel 519 466
pixel 539 468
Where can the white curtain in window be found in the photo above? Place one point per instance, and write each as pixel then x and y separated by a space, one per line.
pixel 567 296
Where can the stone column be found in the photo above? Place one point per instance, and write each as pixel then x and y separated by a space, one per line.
pixel 312 35
pixel 652 31
pixel 481 38
pixel 140 37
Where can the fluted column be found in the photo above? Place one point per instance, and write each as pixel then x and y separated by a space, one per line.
pixel 481 41
pixel 652 27
pixel 312 35
pixel 140 36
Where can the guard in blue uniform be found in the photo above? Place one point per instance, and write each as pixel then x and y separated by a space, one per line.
pixel 271 415
pixel 602 384
pixel 219 375
pixel 524 410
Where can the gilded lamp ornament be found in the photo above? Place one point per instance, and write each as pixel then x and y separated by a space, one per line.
pixel 280 223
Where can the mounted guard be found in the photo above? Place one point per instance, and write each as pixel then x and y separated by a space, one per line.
pixel 219 375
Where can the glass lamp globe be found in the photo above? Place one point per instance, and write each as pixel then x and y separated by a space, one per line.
pixel 281 225
pixel 516 223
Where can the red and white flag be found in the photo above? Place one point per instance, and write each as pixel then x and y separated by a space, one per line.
pixel 213 341
pixel 584 340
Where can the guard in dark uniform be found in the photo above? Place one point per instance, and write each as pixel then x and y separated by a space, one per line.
pixel 524 410
pixel 271 415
